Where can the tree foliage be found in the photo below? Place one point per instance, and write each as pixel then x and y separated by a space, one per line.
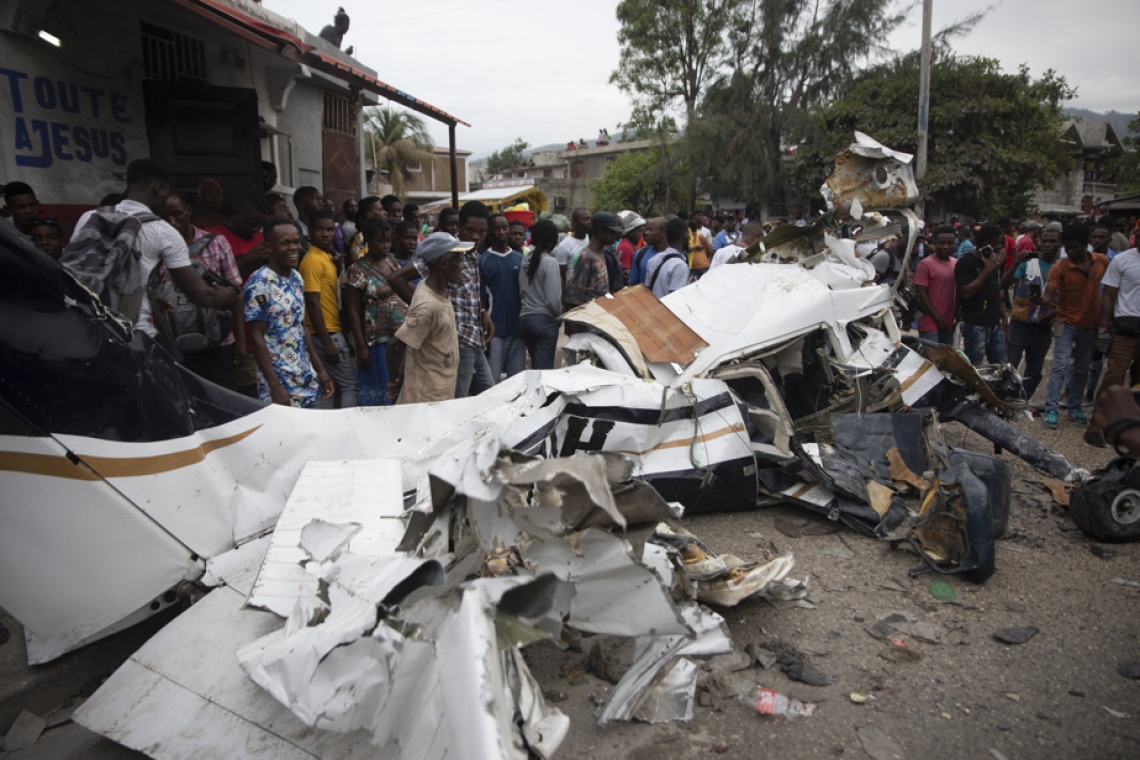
pixel 394 141
pixel 647 182
pixel 1128 166
pixel 670 49
pixel 509 157
pixel 787 57
pixel 993 136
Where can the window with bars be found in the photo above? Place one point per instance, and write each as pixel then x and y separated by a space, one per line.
pixel 170 56
pixel 340 116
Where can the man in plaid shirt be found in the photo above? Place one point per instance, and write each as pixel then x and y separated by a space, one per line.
pixel 471 319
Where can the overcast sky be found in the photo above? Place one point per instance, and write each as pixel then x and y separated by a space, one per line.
pixel 539 69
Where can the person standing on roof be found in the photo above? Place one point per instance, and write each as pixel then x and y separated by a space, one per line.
pixel 586 274
pixel 334 32
pixel 669 271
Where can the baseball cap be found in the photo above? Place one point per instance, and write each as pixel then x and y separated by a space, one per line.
pixel 630 221
pixel 437 245
pixel 1054 226
pixel 606 220
pixel 1032 225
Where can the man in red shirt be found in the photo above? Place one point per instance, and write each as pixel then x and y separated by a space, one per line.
pixel 245 216
pixel 632 228
pixel 937 289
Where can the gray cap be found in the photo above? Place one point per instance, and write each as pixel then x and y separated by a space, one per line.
pixel 606 220
pixel 630 221
pixel 1054 226
pixel 437 245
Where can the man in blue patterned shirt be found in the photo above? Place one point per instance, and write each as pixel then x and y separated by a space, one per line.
pixel 289 369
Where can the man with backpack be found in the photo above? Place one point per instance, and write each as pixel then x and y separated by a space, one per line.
pixel 114 250
pixel 216 361
pixel 669 271
pixel 654 244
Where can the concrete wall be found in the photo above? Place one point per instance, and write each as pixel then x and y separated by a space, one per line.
pixel 67 132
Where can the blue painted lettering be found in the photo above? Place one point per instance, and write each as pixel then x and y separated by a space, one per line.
pixel 23 137
pixel 99 143
pixel 60 141
pixel 82 139
pixel 69 97
pixel 14 78
pixel 43 160
pixel 118 148
pixel 94 95
pixel 119 108
pixel 45 92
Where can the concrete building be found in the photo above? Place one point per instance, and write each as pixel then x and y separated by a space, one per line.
pixel 563 176
pixel 208 87
pixel 1093 145
pixel 429 184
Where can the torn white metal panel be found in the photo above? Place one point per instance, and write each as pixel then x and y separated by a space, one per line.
pixel 183 696
pixel 615 593
pixel 365 492
pixel 71 572
pixel 722 308
pixel 670 696
pixel 238 567
pixel 544 728
pixel 709 637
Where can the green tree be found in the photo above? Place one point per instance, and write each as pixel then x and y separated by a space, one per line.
pixel 994 136
pixel 643 181
pixel 787 57
pixel 394 141
pixel 1128 166
pixel 507 158
pixel 670 48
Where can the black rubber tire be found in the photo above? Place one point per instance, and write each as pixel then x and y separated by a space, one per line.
pixel 1091 505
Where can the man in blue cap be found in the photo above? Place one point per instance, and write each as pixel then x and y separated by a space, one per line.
pixel 431 364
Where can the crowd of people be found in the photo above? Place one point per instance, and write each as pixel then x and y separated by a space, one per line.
pixel 366 304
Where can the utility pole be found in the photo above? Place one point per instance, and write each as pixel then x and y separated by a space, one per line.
pixel 923 103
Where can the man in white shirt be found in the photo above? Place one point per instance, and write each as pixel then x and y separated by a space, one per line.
pixel 752 233
pixel 1119 329
pixel 578 239
pixel 669 271
pixel 148 187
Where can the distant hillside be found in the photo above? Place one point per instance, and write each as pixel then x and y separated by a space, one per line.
pixel 1119 120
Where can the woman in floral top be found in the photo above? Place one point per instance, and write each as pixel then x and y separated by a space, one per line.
pixel 374 311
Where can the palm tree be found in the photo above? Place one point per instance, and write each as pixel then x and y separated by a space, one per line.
pixel 393 141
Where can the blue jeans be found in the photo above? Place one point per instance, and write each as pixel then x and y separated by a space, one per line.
pixel 1073 350
pixel 937 336
pixel 540 334
pixel 474 374
pixel 1032 340
pixel 978 340
pixel 507 355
